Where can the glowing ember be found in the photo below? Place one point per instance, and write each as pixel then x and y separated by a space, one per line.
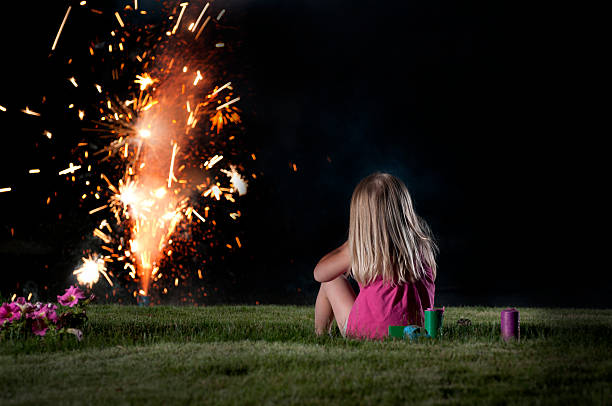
pixel 90 271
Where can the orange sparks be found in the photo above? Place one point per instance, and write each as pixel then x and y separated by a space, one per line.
pixel 97 209
pixel 2 108
pixel 213 191
pixel 119 19
pixel 90 271
pixel 102 236
pixel 151 104
pixel 228 103
pixel 213 161
pixel 30 112
pixel 5 189
pixel 228 84
pixel 171 174
pixel 183 5
pixel 193 28
pixel 60 29
pixel 151 208
pixel 145 80
pixel 71 169
pixel 202 28
pixel 198 78
pixel 198 216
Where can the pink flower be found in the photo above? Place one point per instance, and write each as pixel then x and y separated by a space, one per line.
pixel 39 327
pixel 30 310
pixel 9 312
pixel 47 312
pixel 22 303
pixel 71 297
pixel 51 312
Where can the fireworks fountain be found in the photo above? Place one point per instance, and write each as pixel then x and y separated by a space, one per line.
pixel 156 155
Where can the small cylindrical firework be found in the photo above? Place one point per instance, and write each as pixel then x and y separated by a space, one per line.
pixel 510 327
pixel 144 300
pixel 433 321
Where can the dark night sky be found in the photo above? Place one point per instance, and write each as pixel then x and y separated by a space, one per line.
pixel 477 107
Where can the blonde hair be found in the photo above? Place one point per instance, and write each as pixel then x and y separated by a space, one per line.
pixel 386 237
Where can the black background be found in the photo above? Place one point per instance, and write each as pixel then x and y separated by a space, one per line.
pixel 484 110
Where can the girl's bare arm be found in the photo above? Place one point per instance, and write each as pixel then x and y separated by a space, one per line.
pixel 333 264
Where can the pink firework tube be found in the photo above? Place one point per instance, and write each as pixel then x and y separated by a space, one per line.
pixel 510 327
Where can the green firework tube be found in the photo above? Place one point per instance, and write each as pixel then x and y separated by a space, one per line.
pixel 433 321
pixel 396 331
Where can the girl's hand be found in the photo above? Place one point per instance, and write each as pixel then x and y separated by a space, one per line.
pixel 333 264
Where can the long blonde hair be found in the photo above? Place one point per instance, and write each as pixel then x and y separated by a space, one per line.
pixel 386 237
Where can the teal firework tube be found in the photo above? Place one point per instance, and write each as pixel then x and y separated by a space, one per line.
pixel 433 321
pixel 143 300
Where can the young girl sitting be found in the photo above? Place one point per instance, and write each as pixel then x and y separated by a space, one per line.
pixel 390 252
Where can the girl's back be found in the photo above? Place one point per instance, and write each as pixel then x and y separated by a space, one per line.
pixel 390 252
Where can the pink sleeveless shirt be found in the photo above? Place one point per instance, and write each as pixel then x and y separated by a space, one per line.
pixel 379 305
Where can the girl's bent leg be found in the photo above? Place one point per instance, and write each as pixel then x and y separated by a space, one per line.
pixel 335 300
pixel 324 314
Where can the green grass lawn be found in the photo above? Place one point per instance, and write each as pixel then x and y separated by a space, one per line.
pixel 269 355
